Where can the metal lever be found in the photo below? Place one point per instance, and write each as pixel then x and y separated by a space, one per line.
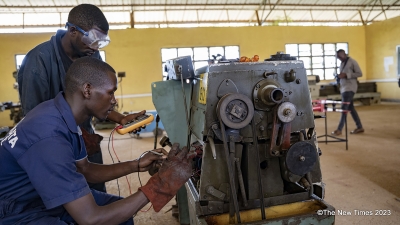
pixel 156 132
pixel 257 154
pixel 212 145
pixel 230 172
pixel 241 183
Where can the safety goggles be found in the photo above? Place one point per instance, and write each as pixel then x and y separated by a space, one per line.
pixel 93 38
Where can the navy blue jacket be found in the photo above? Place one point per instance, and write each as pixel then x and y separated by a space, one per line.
pixel 42 74
pixel 38 169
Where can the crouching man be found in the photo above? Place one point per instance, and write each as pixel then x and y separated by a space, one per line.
pixel 43 160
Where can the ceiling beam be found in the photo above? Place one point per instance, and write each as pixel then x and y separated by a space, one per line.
pixel 359 10
pixel 337 18
pixel 37 9
pixel 263 10
pixel 258 18
pixel 312 17
pixel 200 5
pixel 371 10
pixel 287 22
pixel 132 19
pixel 384 11
pixel 361 17
pixel 179 22
pixel 269 13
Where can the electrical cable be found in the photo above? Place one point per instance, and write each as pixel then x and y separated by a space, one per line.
pixel 122 97
pixel 109 140
pixel 138 168
pixel 112 144
pixel 140 180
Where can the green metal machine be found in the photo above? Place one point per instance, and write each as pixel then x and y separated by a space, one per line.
pixel 252 126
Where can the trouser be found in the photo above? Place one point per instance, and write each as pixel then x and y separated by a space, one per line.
pixel 348 97
pixel 58 215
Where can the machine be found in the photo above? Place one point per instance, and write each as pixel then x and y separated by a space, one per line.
pixel 15 108
pixel 312 85
pixel 252 126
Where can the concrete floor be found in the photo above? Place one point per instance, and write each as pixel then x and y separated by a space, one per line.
pixel 365 178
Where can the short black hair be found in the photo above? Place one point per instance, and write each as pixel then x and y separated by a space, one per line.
pixel 86 16
pixel 86 70
pixel 340 50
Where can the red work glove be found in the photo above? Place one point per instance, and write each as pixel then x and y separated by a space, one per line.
pixel 92 142
pixel 174 173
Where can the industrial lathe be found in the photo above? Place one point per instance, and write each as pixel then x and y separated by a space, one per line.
pixel 252 127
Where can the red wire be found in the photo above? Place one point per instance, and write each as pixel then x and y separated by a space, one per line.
pixel 112 143
pixel 115 153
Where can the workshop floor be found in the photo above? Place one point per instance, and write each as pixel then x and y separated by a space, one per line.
pixel 365 178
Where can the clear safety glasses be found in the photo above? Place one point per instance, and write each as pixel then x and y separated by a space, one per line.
pixel 93 38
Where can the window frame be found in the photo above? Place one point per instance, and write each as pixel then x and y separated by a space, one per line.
pixel 193 54
pixel 311 56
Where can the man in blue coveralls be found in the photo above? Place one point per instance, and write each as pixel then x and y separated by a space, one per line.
pixel 44 167
pixel 42 73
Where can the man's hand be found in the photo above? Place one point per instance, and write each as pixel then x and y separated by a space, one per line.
pixel 131 117
pixel 150 160
pixel 174 172
pixel 92 142
pixel 342 75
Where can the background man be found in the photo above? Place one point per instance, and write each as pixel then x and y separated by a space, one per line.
pixel 43 174
pixel 42 73
pixel 349 71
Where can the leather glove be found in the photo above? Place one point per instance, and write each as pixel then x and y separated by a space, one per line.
pixel 92 142
pixel 174 173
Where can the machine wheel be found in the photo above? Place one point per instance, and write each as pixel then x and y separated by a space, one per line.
pixel 235 110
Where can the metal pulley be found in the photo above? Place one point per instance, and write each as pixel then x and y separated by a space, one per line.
pixel 235 110
pixel 301 158
pixel 286 112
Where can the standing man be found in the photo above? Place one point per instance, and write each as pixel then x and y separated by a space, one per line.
pixel 43 175
pixel 349 71
pixel 42 73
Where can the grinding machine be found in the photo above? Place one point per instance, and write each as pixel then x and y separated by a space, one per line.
pixel 252 126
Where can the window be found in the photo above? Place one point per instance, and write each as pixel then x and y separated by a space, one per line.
pixel 319 59
pixel 19 58
pixel 200 55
